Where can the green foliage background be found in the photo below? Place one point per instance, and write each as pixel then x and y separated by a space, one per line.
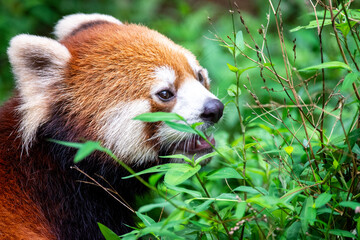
pixel 270 184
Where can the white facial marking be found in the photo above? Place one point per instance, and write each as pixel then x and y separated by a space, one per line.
pixel 165 78
pixel 191 98
pixel 125 136
pixel 192 62
pixel 36 83
pixel 71 22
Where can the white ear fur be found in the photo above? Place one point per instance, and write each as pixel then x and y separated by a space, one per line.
pixel 38 65
pixel 72 22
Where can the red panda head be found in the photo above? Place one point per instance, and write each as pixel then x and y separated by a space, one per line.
pixel 100 74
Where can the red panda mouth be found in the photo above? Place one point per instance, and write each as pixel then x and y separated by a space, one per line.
pixel 194 145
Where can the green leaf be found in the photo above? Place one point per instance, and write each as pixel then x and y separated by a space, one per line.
pixel 335 164
pixel 312 24
pixel 240 40
pixel 249 145
pixel 322 199
pixel 155 169
pixel 350 204
pixel 350 78
pixel 240 210
pixel 180 127
pixel 247 189
pixel 177 156
pixel 342 233
pixel 180 173
pixel 148 221
pixel 233 90
pixel 344 27
pixel 261 201
pixel 356 150
pixel 86 149
pixel 158 116
pixel 204 206
pixel 108 233
pixel 206 156
pixel 223 173
pixel 149 207
pixel 193 193
pixel 232 68
pixel 327 65
pixel 308 213
pixel 67 144
pixel 289 149
pixel 293 231
pixel 242 70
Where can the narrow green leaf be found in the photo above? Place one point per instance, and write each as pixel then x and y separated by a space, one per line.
pixel 240 40
pixel 261 201
pixel 204 206
pixel 67 144
pixel 206 156
pixel 149 207
pixel 322 199
pixel 240 210
pixel 180 127
pixel 177 156
pixel 308 213
pixel 85 150
pixel 148 221
pixel 108 233
pixel 247 189
pixel 350 204
pixel 249 145
pixel 312 24
pixel 293 231
pixel 155 169
pixel 342 233
pixel 193 193
pixel 181 173
pixel 327 65
pixel 158 116
pixel 223 173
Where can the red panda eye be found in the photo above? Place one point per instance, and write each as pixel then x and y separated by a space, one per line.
pixel 200 77
pixel 165 95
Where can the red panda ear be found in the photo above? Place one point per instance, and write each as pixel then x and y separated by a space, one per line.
pixel 38 64
pixel 71 23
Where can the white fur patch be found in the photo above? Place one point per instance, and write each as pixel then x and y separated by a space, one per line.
pixel 165 78
pixel 71 22
pixel 191 98
pixel 37 64
pixel 125 136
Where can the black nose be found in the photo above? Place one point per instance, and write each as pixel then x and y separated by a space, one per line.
pixel 213 111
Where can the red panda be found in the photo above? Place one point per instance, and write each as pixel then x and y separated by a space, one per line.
pixel 89 84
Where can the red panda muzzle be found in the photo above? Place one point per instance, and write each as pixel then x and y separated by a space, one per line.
pixel 194 145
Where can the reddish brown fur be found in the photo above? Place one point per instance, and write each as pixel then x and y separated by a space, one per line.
pixel 135 50
pixel 20 218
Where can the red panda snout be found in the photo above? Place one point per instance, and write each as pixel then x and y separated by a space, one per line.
pixel 190 98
